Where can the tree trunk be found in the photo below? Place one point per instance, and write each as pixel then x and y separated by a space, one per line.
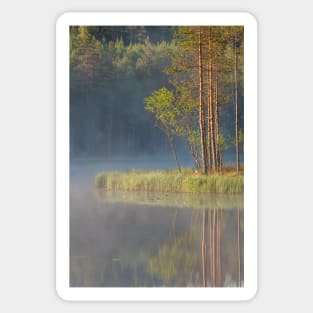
pixel 170 140
pixel 210 105
pixel 236 105
pixel 193 149
pixel 194 156
pixel 202 124
pixel 217 128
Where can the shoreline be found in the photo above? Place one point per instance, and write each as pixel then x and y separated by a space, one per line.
pixel 170 180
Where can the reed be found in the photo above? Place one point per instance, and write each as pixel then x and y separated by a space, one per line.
pixel 170 180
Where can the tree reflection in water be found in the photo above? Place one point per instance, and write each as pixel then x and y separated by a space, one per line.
pixel 136 240
pixel 184 260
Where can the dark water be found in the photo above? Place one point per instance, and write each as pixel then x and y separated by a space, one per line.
pixel 137 240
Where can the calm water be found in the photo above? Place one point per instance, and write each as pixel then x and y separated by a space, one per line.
pixel 134 239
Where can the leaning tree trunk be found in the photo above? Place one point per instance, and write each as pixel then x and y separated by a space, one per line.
pixel 193 149
pixel 170 140
pixel 194 156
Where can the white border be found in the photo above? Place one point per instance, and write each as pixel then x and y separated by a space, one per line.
pixel 62 157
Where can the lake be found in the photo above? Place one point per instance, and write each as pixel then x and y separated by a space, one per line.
pixel 133 239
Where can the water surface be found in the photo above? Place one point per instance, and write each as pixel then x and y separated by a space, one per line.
pixel 133 239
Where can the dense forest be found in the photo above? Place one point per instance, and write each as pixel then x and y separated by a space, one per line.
pixel 155 91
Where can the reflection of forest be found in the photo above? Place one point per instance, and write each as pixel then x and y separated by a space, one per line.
pixel 219 260
pixel 123 245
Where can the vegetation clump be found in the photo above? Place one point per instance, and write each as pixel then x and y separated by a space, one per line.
pixel 171 180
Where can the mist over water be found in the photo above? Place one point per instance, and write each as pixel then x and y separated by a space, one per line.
pixel 85 170
pixel 124 244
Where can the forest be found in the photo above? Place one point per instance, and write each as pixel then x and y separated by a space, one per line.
pixel 148 90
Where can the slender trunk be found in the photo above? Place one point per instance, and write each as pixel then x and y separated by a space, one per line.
pixel 236 105
pixel 202 124
pixel 193 150
pixel 194 157
pixel 210 105
pixel 210 158
pixel 170 140
pixel 217 130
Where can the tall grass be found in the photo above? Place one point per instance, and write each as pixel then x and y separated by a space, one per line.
pixel 170 181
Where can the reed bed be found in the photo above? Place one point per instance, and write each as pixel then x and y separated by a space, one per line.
pixel 170 180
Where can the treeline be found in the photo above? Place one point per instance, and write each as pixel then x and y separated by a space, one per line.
pixel 206 72
pixel 112 71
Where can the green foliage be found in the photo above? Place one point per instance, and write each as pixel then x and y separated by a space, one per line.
pixel 161 104
pixel 94 60
pixel 87 61
pixel 176 115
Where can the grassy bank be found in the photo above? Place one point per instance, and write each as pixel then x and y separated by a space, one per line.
pixel 170 181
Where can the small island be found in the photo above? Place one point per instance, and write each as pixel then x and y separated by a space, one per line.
pixel 171 180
